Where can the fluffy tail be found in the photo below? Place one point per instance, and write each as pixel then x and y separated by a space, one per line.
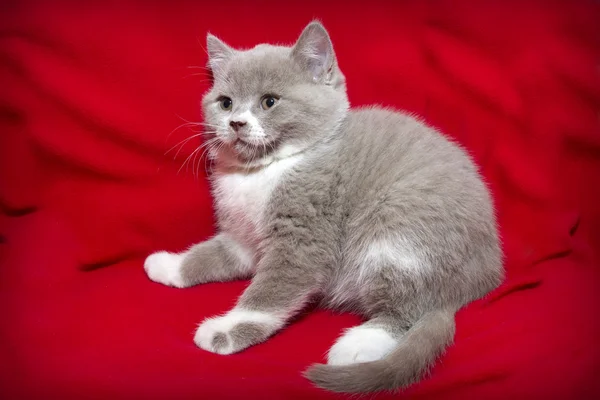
pixel 406 364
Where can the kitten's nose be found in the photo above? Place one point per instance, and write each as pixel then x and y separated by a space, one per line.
pixel 237 124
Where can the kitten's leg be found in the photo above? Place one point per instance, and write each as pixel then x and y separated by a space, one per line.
pixel 279 290
pixel 391 300
pixel 218 259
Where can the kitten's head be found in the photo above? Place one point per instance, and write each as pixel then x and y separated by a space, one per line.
pixel 271 102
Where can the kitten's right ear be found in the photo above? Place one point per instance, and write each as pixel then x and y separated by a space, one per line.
pixel 218 53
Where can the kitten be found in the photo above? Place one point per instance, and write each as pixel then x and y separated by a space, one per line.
pixel 367 210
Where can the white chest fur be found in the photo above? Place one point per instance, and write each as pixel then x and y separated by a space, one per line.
pixel 241 199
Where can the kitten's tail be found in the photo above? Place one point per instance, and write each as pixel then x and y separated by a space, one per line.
pixel 406 364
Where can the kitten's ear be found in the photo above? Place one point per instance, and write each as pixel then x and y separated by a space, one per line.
pixel 314 51
pixel 218 53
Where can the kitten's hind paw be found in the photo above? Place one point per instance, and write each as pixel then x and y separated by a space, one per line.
pixel 165 268
pixel 361 344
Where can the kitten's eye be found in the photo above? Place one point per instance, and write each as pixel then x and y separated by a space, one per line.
pixel 268 102
pixel 226 103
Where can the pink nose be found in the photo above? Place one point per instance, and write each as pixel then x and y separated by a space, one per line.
pixel 237 124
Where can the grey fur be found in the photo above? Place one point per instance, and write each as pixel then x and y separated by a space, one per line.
pixel 247 334
pixel 243 335
pixel 213 261
pixel 220 341
pixel 368 176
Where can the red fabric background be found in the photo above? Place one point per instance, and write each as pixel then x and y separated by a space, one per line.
pixel 89 92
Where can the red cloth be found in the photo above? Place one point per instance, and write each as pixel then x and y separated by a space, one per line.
pixel 89 93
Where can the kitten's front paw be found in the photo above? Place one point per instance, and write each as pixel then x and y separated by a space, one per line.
pixel 235 331
pixel 165 268
pixel 361 344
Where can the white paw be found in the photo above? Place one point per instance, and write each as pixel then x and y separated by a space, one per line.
pixel 165 268
pixel 214 333
pixel 361 344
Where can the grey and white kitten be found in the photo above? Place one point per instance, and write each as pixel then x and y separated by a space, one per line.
pixel 368 210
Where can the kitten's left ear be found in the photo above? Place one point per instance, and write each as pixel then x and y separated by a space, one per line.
pixel 218 53
pixel 314 51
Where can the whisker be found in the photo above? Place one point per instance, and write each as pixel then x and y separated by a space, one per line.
pixel 194 169
pixel 190 124
pixel 207 150
pixel 211 158
pixel 206 159
pixel 196 164
pixel 186 160
pixel 197 74
pixel 187 124
pixel 182 143
pixel 208 143
pixel 210 125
